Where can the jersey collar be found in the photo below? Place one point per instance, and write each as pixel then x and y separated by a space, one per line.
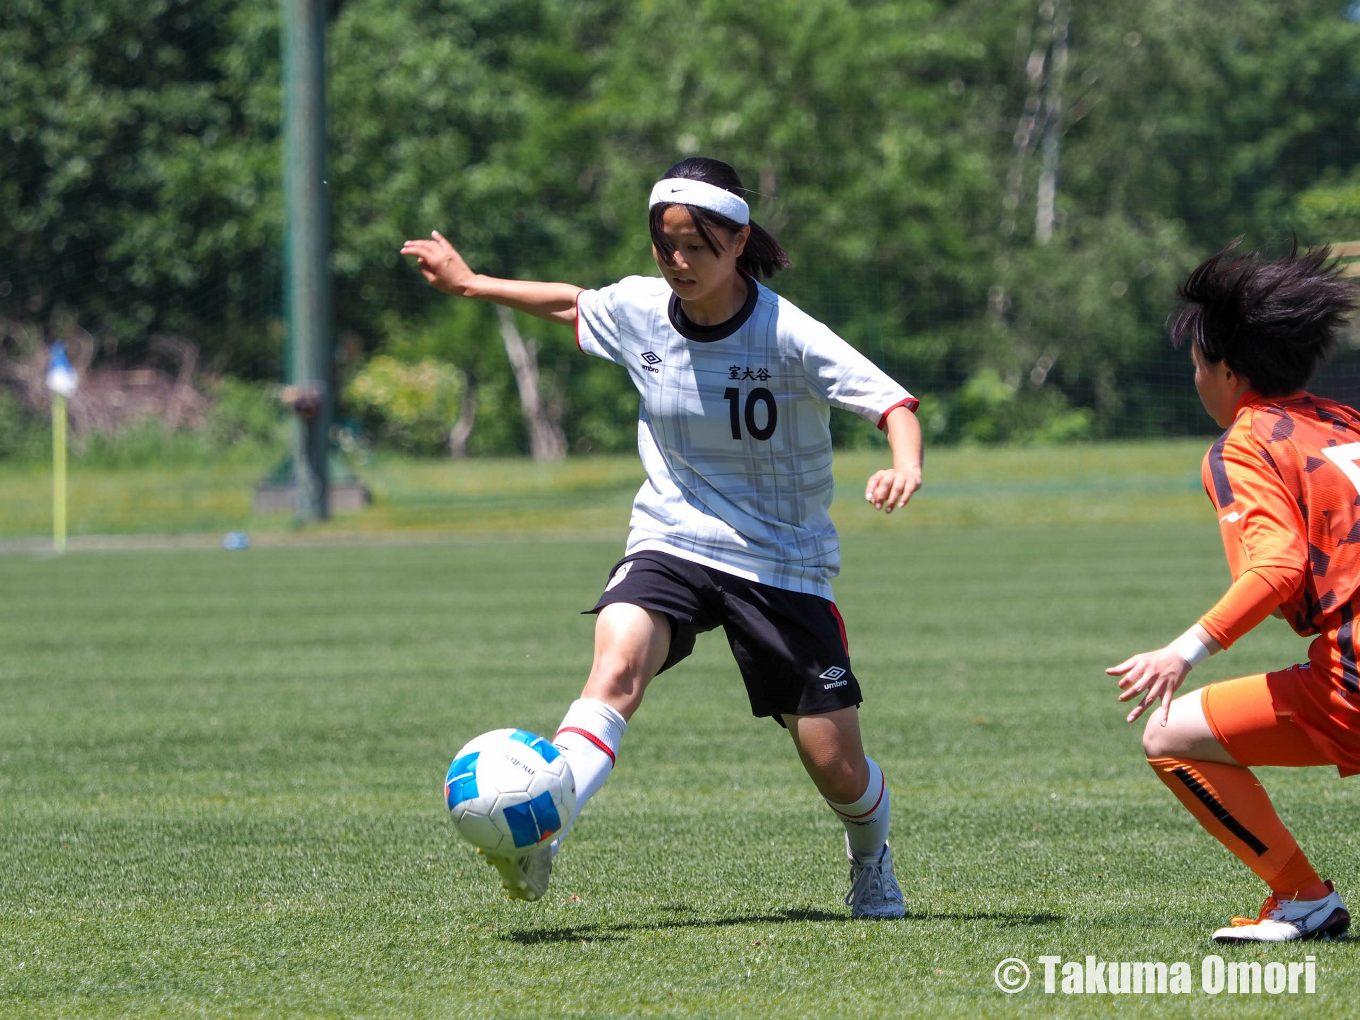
pixel 1252 397
pixel 720 330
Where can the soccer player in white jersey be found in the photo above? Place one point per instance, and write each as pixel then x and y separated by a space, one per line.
pixel 731 527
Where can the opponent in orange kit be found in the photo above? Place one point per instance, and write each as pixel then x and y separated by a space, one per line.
pixel 1285 480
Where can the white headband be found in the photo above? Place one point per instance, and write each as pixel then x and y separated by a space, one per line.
pixel 702 195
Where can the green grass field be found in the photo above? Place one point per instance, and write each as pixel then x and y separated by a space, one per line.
pixel 589 497
pixel 222 774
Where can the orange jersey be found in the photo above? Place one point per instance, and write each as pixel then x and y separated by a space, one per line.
pixel 1285 479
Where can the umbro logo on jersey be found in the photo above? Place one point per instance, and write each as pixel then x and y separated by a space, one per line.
pixel 651 361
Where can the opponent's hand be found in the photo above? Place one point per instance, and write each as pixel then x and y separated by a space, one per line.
pixel 1153 675
pixel 890 489
pixel 440 264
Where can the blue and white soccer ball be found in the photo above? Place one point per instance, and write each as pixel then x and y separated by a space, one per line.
pixel 509 791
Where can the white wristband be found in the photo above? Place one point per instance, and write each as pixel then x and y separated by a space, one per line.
pixel 1190 648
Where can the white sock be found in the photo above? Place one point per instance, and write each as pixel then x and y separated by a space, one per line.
pixel 589 737
pixel 866 820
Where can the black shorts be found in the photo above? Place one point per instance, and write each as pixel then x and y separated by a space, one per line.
pixel 790 646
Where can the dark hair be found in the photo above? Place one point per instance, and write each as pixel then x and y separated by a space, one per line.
pixel 1272 320
pixel 762 255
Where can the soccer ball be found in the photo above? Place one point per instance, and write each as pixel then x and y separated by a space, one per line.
pixel 509 791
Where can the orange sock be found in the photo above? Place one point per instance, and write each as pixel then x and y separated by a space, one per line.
pixel 1230 802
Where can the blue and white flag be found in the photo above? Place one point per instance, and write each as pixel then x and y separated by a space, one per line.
pixel 61 377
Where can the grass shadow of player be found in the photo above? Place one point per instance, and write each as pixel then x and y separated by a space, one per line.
pixel 1006 920
pixel 619 932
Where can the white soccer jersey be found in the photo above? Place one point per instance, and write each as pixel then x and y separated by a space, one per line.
pixel 733 427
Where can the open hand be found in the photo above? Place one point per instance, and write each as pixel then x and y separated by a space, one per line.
pixel 1153 675
pixel 440 264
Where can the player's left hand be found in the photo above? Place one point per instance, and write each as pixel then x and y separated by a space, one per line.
pixel 1153 675
pixel 890 489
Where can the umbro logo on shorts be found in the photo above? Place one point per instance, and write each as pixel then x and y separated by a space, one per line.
pixel 834 675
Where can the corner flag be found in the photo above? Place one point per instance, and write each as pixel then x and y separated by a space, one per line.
pixel 61 377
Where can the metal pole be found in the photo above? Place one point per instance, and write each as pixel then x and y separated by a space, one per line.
pixel 307 258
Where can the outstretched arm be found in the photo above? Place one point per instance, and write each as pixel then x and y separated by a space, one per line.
pixel 444 269
pixel 889 490
pixel 1258 593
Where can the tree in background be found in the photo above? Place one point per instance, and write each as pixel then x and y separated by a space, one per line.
pixel 139 171
pixel 992 197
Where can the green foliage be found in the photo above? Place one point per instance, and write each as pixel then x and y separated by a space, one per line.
pixel 23 435
pixel 1075 314
pixel 1329 211
pixel 245 422
pixel 145 443
pixel 981 407
pixel 412 407
pixel 987 409
pixel 245 414
pixel 141 170
pixel 602 415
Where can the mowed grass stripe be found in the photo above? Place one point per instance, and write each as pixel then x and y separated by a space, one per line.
pixel 590 496
pixel 221 775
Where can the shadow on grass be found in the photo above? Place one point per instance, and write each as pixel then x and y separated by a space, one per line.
pixel 618 932
pixel 983 915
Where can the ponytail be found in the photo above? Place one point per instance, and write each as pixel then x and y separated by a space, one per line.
pixel 762 255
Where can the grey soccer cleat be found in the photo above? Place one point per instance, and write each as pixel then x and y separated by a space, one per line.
pixel 526 877
pixel 874 891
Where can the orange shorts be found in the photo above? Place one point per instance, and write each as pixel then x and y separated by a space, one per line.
pixel 1294 716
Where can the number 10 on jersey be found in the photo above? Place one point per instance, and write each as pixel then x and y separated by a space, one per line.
pixel 759 395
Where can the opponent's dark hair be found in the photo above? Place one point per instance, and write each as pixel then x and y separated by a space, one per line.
pixel 762 255
pixel 1272 320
